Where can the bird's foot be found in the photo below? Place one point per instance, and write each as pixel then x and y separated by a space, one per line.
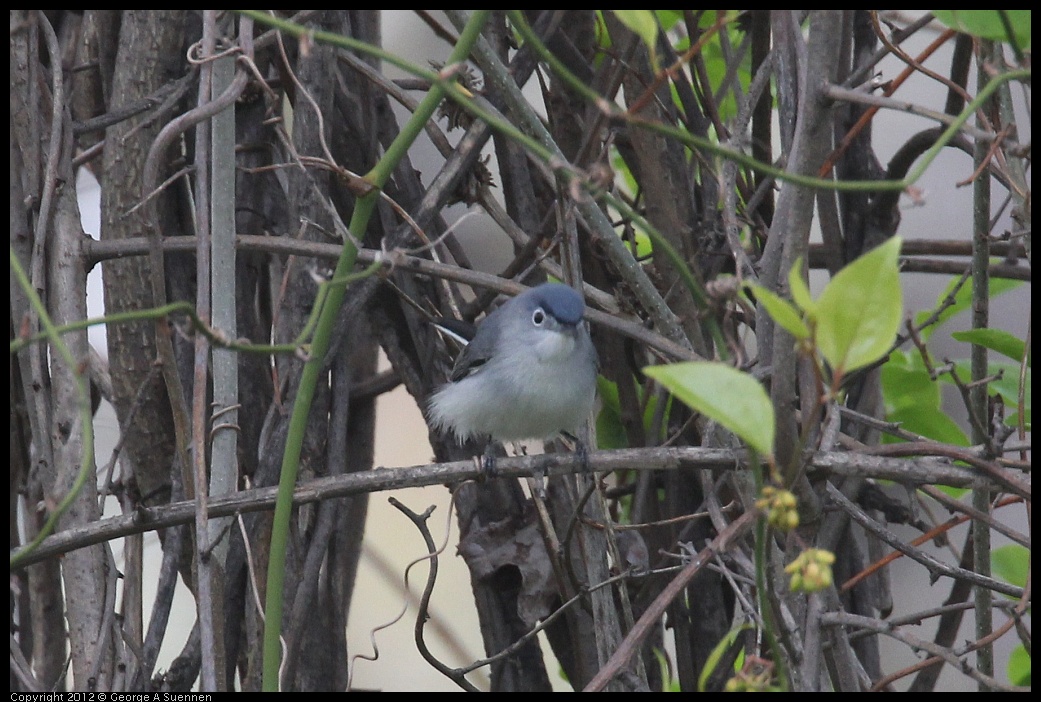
pixel 486 462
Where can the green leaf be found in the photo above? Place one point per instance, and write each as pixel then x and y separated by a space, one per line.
pixel 988 24
pixel 1012 420
pixel 719 67
pixel 668 18
pixel 642 23
pixel 996 340
pixel 1007 385
pixel 912 398
pixel 712 662
pixel 906 383
pixel 1011 563
pixel 668 683
pixel 623 174
pixel 782 311
pixel 644 246
pixel 800 291
pixel 1019 666
pixel 610 432
pixel 603 38
pixel 962 301
pixel 930 422
pixel 734 399
pixel 859 311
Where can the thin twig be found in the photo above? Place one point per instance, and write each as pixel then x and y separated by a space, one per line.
pixel 936 568
pixel 422 615
pixel 630 645
pixel 930 535
pixel 174 90
pixel 860 97
pixel 959 506
pixel 869 113
pixel 881 627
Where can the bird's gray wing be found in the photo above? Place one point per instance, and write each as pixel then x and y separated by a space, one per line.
pixel 476 353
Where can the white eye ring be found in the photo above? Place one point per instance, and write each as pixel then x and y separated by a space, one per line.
pixel 538 317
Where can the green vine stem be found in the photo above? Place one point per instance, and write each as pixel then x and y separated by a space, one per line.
pixel 213 334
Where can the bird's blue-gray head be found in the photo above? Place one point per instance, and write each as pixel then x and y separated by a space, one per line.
pixel 559 301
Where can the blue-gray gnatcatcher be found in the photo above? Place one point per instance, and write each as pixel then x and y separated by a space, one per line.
pixel 529 372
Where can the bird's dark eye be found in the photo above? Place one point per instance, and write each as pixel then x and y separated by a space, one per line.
pixel 538 317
